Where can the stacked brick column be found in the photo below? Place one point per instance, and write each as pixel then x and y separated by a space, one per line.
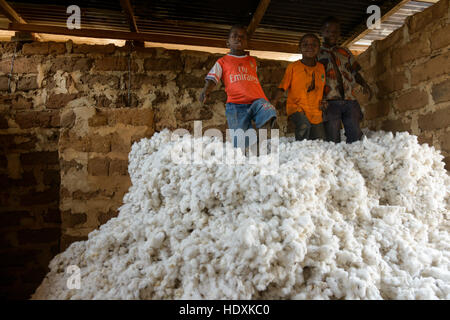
pixel 29 173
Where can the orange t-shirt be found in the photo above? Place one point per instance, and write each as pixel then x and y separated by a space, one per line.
pixel 238 74
pixel 296 80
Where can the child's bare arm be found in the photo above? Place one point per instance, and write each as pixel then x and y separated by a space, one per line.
pixel 209 85
pixel 278 95
pixel 360 80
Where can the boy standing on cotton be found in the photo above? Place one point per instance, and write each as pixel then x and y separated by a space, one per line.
pixel 246 100
pixel 305 80
pixel 342 74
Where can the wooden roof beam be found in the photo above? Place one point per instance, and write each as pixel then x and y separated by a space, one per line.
pixel 10 13
pixel 126 6
pixel 150 37
pixel 13 16
pixel 257 17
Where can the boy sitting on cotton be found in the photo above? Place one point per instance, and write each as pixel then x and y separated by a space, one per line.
pixel 305 81
pixel 246 100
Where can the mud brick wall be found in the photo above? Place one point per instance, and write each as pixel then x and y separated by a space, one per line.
pixel 29 176
pixel 66 128
pixel 410 74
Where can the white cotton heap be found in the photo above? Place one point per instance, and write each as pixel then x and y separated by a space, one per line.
pixel 369 220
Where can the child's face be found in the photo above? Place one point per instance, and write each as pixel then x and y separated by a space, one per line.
pixel 331 32
pixel 309 47
pixel 237 39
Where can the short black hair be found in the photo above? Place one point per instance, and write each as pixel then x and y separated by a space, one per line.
pixel 308 35
pixel 237 26
pixel 330 19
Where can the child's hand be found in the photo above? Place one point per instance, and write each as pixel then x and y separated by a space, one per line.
pixel 203 96
pixel 323 105
pixel 367 90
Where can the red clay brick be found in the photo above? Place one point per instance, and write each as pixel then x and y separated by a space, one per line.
pixel 441 91
pixel 21 103
pixel 39 236
pixel 377 110
pixel 66 165
pixel 52 177
pixel 80 195
pixel 142 117
pixel 21 65
pixel 3 122
pixel 413 50
pixel 97 49
pixel 37 198
pixel 411 100
pixel 3 83
pixel 105 80
pixel 33 48
pixel 174 64
pixel 27 119
pixel 436 120
pixel 12 218
pixel 52 216
pixel 27 83
pixel 98 166
pixel 431 69
pixel 99 119
pixel 114 64
pixel 118 144
pixel 39 158
pixel 118 167
pixel 70 219
pixel 101 144
pixel 57 47
pixel 396 126
pixel 60 100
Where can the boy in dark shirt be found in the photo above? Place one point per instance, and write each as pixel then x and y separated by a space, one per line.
pixel 342 73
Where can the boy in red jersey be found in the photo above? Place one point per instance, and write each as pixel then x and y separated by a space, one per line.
pixel 246 100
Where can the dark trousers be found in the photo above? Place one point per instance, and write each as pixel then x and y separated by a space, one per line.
pixel 305 129
pixel 347 111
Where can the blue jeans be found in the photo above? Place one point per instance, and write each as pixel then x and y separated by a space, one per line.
pixel 240 116
pixel 347 111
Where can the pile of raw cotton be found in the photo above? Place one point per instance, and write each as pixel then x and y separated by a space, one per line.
pixel 368 220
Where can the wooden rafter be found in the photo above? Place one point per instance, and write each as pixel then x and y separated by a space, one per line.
pixel 126 6
pixel 354 39
pixel 10 13
pixel 150 37
pixel 13 16
pixel 257 17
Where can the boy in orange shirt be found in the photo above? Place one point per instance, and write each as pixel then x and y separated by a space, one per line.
pixel 305 82
pixel 246 100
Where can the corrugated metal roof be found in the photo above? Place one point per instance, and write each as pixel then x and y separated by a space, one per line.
pixel 391 24
pixel 284 21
